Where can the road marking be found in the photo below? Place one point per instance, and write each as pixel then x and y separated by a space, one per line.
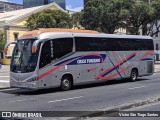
pixel 137 87
pixel 4 81
pixel 64 99
pixel 5 76
pixel 20 100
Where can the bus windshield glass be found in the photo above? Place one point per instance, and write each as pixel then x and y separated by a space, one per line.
pixel 23 60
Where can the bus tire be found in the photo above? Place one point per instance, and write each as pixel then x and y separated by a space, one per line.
pixel 66 83
pixel 134 75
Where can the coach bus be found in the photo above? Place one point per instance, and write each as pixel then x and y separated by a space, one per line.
pixel 47 58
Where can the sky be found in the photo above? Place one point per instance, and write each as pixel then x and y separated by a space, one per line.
pixel 73 5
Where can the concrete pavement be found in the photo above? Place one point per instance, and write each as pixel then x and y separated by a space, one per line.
pixel 4 76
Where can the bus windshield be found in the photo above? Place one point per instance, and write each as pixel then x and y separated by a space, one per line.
pixel 23 60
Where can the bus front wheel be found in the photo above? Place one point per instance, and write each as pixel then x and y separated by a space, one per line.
pixel 134 75
pixel 66 83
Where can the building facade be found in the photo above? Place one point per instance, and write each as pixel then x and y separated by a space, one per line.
pixel 34 3
pixel 6 6
pixel 13 24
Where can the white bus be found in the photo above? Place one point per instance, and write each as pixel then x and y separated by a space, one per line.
pixel 62 58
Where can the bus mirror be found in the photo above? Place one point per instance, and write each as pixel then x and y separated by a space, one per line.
pixel 35 46
pixel 6 47
pixel 34 49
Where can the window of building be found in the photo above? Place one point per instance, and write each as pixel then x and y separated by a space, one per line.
pixel 157 46
pixel 15 36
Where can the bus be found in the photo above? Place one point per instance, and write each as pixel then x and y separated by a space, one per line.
pixel 48 58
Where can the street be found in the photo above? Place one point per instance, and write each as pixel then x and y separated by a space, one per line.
pixel 92 97
pixel 88 97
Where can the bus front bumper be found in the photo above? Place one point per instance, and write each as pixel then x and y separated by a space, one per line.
pixel 26 85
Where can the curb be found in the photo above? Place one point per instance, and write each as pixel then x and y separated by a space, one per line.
pixel 3 88
pixel 107 111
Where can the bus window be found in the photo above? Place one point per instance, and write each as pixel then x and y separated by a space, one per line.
pixel 62 47
pixel 55 49
pixel 88 44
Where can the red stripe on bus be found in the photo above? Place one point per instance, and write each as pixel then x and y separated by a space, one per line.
pixel 117 64
pixel 146 54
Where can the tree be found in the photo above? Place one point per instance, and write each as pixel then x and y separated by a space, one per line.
pixel 140 14
pixel 76 20
pixel 93 14
pixel 115 15
pixel 156 16
pixel 2 41
pixel 49 19
pixel 105 16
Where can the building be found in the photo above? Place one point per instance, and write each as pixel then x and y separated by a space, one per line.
pixel 34 3
pixel 6 6
pixel 13 23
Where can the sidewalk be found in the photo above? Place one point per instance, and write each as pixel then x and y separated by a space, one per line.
pixel 4 77
pixel 157 68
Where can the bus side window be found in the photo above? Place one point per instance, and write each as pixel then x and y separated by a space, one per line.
pixel 62 47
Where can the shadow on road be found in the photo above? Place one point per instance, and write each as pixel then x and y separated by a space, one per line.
pixel 19 92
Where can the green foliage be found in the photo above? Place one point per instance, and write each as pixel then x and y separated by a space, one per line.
pixel 140 14
pixel 113 14
pixel 76 20
pixel 49 19
pixel 105 16
pixel 93 14
pixel 2 41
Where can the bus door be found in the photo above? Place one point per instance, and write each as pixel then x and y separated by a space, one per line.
pixel 45 65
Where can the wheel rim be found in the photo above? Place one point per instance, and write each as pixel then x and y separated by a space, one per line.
pixel 66 83
pixel 134 75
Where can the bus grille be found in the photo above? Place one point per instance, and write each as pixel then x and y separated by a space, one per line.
pixel 149 66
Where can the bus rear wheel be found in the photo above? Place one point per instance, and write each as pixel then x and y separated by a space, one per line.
pixel 66 83
pixel 134 75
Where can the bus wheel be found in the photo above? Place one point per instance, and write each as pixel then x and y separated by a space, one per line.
pixel 66 83
pixel 134 75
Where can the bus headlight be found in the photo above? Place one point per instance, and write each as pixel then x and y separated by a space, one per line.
pixel 32 79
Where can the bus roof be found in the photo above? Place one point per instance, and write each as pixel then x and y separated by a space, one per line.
pixel 43 30
pixel 104 35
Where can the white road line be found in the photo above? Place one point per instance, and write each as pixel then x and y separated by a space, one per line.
pixel 65 99
pixel 4 81
pixel 137 87
pixel 19 100
pixel 5 76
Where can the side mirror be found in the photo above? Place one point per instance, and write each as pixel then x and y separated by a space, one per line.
pixel 35 46
pixel 6 47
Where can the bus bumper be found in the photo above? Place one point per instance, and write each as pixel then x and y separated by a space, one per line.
pixel 25 85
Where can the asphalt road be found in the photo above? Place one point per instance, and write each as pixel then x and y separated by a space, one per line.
pixel 81 98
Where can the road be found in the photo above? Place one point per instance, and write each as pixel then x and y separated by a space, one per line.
pixel 81 98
